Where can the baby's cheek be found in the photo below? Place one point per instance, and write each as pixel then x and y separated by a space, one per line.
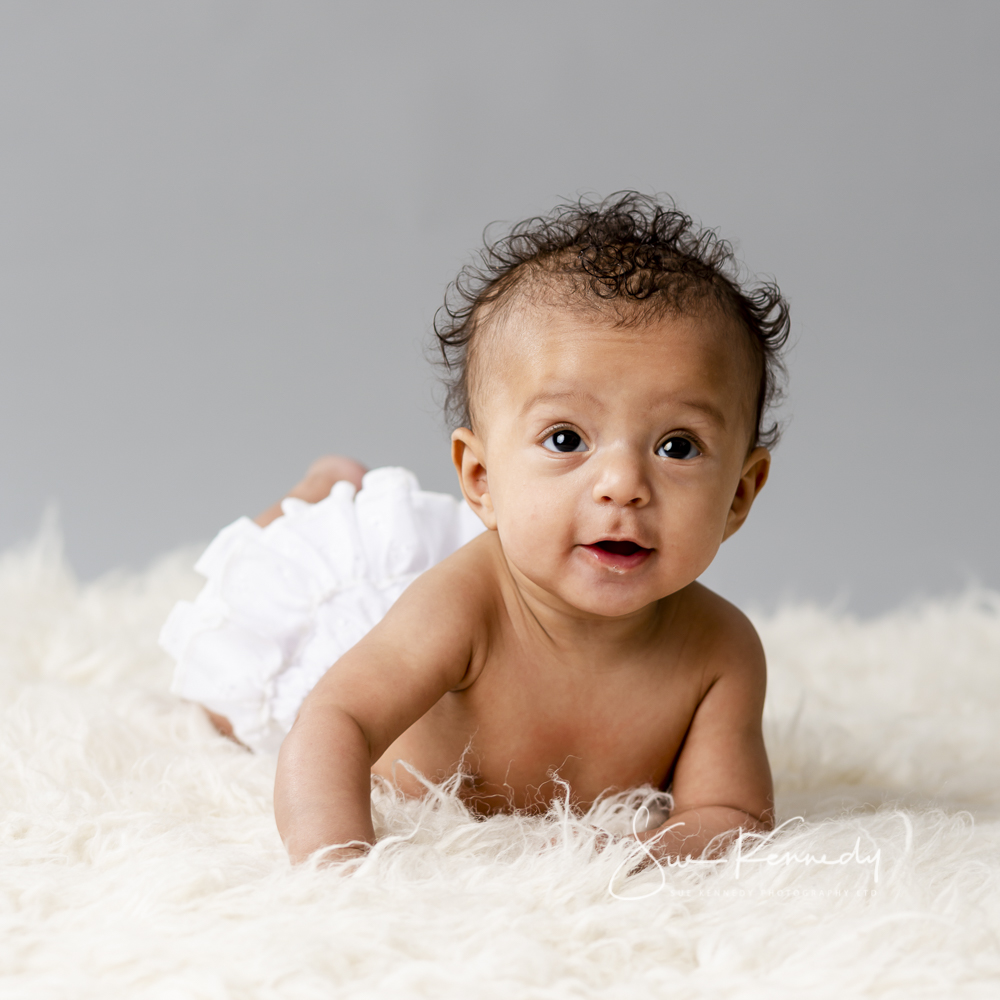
pixel 532 530
pixel 699 557
pixel 694 536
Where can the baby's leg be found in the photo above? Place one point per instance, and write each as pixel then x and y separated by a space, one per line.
pixel 318 481
pixel 314 486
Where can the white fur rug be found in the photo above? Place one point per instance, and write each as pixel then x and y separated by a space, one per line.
pixel 140 859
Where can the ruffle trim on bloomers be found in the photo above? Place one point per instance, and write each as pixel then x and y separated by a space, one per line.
pixel 283 603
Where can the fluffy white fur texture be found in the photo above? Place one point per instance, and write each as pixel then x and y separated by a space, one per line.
pixel 140 858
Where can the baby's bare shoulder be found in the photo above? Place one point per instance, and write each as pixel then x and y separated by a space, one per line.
pixel 425 645
pixel 721 636
pixel 467 578
pixel 451 608
pixel 455 595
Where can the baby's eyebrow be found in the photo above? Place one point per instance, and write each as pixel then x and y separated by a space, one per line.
pixel 707 408
pixel 575 395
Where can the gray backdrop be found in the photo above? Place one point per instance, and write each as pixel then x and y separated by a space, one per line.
pixel 225 228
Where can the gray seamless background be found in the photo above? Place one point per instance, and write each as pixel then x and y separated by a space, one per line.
pixel 225 227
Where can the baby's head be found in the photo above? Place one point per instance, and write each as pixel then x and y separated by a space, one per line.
pixel 611 379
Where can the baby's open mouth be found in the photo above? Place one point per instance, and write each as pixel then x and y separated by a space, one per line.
pixel 618 556
pixel 621 548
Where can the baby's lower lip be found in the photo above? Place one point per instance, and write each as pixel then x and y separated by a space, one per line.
pixel 619 555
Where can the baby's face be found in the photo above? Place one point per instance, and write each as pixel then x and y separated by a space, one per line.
pixel 612 462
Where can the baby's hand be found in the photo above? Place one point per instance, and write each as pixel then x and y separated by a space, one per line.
pixel 343 854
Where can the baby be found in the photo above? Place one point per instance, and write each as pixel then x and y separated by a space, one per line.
pixel 610 379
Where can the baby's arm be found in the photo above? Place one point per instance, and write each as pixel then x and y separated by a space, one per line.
pixel 371 695
pixel 722 780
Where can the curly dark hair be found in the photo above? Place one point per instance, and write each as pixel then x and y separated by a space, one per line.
pixel 635 254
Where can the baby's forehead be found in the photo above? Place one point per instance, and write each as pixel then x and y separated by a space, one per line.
pixel 528 332
pixel 533 349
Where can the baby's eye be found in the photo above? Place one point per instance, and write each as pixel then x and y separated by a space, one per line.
pixel 678 447
pixel 564 440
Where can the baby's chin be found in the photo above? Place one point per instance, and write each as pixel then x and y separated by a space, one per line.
pixel 601 589
pixel 612 600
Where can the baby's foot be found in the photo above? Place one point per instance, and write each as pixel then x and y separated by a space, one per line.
pixel 224 726
pixel 323 473
pixel 316 484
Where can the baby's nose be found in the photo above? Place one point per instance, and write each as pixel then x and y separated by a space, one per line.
pixel 623 482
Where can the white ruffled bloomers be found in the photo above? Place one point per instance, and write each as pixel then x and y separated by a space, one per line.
pixel 283 603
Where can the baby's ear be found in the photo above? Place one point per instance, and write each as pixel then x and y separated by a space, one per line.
pixel 752 479
pixel 470 463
